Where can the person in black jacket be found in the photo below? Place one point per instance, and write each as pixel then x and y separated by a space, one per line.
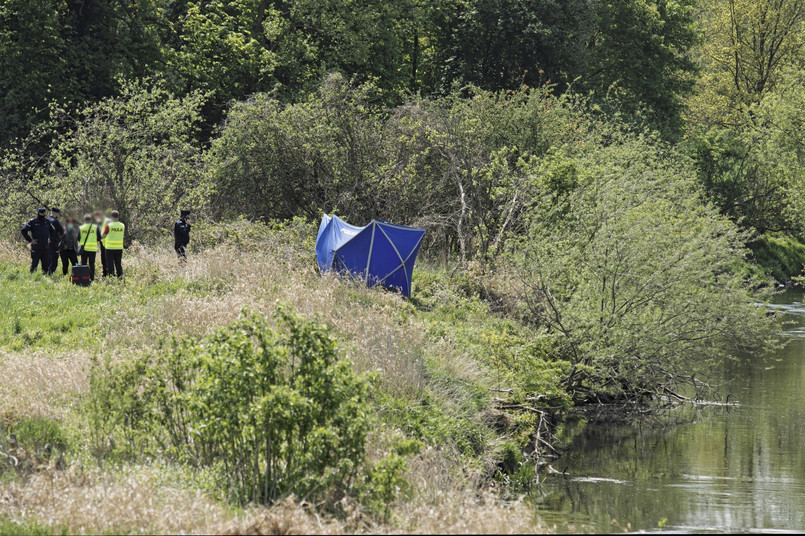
pixel 55 245
pixel 181 235
pixel 69 245
pixel 40 234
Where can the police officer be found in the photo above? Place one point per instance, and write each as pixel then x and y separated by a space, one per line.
pixel 40 234
pixel 55 245
pixel 181 234
pixel 113 234
pixel 88 244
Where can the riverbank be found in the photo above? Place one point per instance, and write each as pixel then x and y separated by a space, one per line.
pixel 440 359
pixel 469 390
pixel 781 256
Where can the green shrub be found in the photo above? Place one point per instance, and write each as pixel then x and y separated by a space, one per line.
pixel 276 413
pixel 385 481
pixel 36 432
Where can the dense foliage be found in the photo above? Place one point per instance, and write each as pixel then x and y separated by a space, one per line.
pixel 274 412
pixel 77 52
pixel 636 276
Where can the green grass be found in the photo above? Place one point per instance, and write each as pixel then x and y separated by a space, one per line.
pixel 780 255
pixel 29 528
pixel 41 312
pixel 48 312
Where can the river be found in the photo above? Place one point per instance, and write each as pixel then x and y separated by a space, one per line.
pixel 733 468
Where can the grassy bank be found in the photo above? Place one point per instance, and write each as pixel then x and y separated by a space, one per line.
pixel 780 255
pixel 447 367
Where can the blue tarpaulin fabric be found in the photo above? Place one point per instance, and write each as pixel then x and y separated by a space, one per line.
pixel 380 253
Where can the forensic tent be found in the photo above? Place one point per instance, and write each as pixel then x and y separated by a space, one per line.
pixel 380 253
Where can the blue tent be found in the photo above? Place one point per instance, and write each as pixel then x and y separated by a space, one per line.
pixel 380 253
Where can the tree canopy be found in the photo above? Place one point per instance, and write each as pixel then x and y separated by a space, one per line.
pixel 78 52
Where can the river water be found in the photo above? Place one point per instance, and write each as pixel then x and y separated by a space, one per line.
pixel 733 468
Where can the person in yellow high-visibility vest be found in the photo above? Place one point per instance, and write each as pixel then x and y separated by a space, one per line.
pixel 113 233
pixel 88 244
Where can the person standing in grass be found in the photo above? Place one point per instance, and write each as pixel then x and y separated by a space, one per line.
pixel 113 233
pixel 181 235
pixel 39 233
pixel 55 245
pixel 69 245
pixel 100 224
pixel 88 244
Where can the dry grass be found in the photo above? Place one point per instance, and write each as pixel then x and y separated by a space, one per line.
pixel 374 334
pixel 12 252
pixel 140 502
pixel 376 339
pixel 40 384
pixel 95 502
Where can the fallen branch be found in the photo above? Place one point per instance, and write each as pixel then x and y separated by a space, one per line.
pixel 677 395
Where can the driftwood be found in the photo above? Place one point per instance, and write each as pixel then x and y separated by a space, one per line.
pixel 543 427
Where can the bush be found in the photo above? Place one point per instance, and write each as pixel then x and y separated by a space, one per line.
pixel 635 276
pixel 454 165
pixel 275 413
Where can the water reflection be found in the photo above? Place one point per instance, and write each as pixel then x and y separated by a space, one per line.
pixel 734 468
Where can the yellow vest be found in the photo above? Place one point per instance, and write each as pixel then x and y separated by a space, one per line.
pixel 90 242
pixel 114 240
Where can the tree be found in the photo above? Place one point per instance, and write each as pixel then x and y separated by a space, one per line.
pixel 499 45
pixel 276 160
pixel 30 37
pixel 135 153
pixel 69 52
pixel 233 49
pixel 636 52
pixel 640 57
pixel 637 278
pixel 747 46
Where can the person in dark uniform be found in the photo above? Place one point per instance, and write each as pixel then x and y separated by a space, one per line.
pixel 39 233
pixel 181 235
pixel 69 245
pixel 55 245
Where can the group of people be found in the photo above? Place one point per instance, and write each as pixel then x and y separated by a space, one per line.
pixel 50 241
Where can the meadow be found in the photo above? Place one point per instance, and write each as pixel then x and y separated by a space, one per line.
pixel 439 360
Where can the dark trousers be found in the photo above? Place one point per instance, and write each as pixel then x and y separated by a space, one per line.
pixel 40 256
pixel 54 260
pixel 68 255
pixel 88 258
pixel 104 264
pixel 113 262
pixel 181 252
